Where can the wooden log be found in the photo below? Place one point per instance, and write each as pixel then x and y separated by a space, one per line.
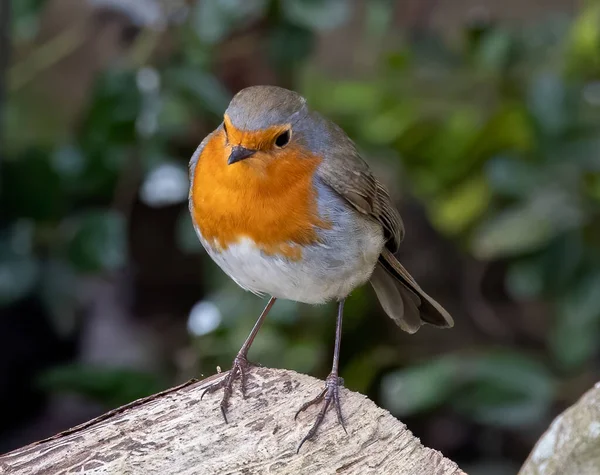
pixel 174 432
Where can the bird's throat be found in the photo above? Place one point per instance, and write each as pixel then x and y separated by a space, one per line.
pixel 272 202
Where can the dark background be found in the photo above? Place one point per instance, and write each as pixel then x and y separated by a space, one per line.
pixel 483 118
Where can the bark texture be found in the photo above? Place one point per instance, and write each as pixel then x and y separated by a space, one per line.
pixel 176 432
pixel 571 445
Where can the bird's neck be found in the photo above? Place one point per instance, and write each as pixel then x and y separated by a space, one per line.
pixel 273 202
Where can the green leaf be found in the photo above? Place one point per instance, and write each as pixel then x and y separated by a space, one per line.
pixel 58 291
pixel 31 188
pixel 215 19
pixel 495 51
pixel 289 45
pixel 512 232
pixel 449 148
pixel 422 387
pixel 304 356
pixel 583 41
pixel 562 261
pixel 527 227
pixel 25 19
pixel 353 98
pixel 574 337
pixel 202 87
pixel 509 129
pixel 386 127
pixel 363 369
pixel 415 143
pixel 592 186
pixel 69 162
pixel 455 211
pixel 513 177
pixel 210 21
pixel 505 389
pixel 499 388
pixel 110 386
pixel 175 113
pixel 30 125
pixel 286 312
pixel 19 269
pixel 269 349
pixel 378 19
pixel 18 274
pixel 112 115
pixel 317 14
pixel 572 345
pixel 525 279
pixel 99 241
pixel 548 102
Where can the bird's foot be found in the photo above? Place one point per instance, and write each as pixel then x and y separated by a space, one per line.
pixel 239 369
pixel 330 395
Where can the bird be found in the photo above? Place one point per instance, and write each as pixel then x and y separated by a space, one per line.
pixel 284 204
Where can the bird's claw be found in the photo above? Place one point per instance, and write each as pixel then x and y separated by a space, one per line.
pixel 330 394
pixel 239 369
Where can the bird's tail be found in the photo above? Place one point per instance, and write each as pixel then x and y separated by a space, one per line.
pixel 402 298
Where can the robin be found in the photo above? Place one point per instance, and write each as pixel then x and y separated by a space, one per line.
pixel 282 201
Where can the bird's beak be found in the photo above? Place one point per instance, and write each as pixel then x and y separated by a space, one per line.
pixel 239 153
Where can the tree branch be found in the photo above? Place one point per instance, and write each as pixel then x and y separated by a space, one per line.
pixel 176 432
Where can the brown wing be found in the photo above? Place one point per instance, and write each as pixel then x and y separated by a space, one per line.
pixel 349 176
pixel 400 295
pixel 417 303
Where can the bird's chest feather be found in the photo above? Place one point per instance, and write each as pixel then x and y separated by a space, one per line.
pixel 270 203
pixel 274 228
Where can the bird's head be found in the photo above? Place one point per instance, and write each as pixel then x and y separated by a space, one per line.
pixel 262 124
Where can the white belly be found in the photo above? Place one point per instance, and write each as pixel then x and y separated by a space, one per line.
pixel 343 261
pixel 325 272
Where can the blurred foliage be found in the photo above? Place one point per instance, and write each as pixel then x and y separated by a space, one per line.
pixel 114 387
pixel 497 135
pixel 496 388
pixel 499 140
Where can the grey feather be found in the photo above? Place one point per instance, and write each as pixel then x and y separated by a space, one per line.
pixel 430 311
pixel 350 176
pixel 395 300
pixel 259 107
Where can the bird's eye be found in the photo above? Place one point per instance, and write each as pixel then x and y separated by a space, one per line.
pixel 283 139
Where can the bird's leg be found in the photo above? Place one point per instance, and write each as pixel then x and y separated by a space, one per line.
pixel 240 365
pixel 331 392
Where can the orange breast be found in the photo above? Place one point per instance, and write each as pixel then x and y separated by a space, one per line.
pixel 268 198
